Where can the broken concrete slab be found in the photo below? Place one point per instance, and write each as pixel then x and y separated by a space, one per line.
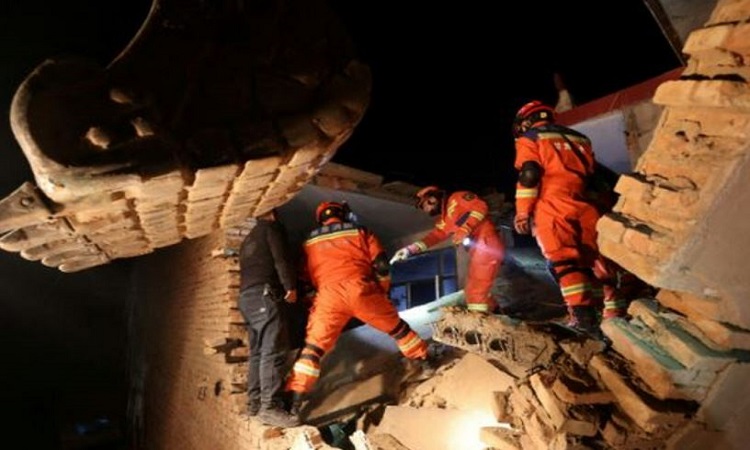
pixel 434 429
pixel 469 385
pixel 513 344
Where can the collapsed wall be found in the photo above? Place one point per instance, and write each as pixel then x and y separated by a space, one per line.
pixel 679 226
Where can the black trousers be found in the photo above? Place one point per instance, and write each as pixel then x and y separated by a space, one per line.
pixel 264 310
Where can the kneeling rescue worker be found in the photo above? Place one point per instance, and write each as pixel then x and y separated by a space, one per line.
pixel 349 270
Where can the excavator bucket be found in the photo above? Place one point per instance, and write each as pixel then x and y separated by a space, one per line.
pixel 214 112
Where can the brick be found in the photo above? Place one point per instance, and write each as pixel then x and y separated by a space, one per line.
pixel 640 265
pixel 499 438
pixel 730 11
pixel 738 41
pixel 704 93
pixel 572 393
pixel 557 412
pixel 682 346
pixel 693 306
pixel 662 373
pixel 708 39
pixel 649 416
pixel 622 434
pixel 712 59
pixel 633 186
pixel 550 403
pixel 697 312
pixel 582 352
pixel 711 69
pixel 709 122
pixel 651 244
pixel 499 407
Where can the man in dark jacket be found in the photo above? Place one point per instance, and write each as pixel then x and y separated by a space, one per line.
pixel 267 280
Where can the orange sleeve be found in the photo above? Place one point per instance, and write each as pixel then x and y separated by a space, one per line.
pixel 526 150
pixel 435 236
pixel 474 210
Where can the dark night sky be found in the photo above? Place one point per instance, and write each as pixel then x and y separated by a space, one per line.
pixel 448 79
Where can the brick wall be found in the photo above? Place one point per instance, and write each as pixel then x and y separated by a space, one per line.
pixel 189 351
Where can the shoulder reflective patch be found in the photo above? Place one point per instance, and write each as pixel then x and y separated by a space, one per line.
pixel 333 234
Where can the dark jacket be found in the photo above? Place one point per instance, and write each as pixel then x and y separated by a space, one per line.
pixel 265 258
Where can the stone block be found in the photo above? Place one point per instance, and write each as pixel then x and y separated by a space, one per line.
pixel 622 434
pixel 581 352
pixel 706 39
pixel 682 346
pixel 729 11
pixel 649 415
pixel 499 438
pixel 693 122
pixel 664 375
pixel 574 393
pixel 704 93
pixel 650 243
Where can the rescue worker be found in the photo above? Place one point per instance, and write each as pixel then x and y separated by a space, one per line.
pixel 554 164
pixel 349 270
pixel 462 216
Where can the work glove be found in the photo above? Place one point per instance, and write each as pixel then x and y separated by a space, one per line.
pixel 522 223
pixel 404 253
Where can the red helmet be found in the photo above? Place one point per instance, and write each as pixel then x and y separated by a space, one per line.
pixel 430 192
pixel 329 210
pixel 531 113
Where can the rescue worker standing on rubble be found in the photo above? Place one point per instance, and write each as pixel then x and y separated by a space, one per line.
pixel 463 217
pixel 267 280
pixel 554 165
pixel 349 270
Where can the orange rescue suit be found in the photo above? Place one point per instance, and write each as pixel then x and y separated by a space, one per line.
pixel 464 215
pixel 344 262
pixel 564 222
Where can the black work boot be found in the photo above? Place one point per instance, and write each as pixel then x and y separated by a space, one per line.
pixel 295 405
pixel 278 417
pixel 584 319
pixel 420 369
pixel 253 406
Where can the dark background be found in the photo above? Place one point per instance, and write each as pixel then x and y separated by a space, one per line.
pixel 448 78
pixel 446 83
